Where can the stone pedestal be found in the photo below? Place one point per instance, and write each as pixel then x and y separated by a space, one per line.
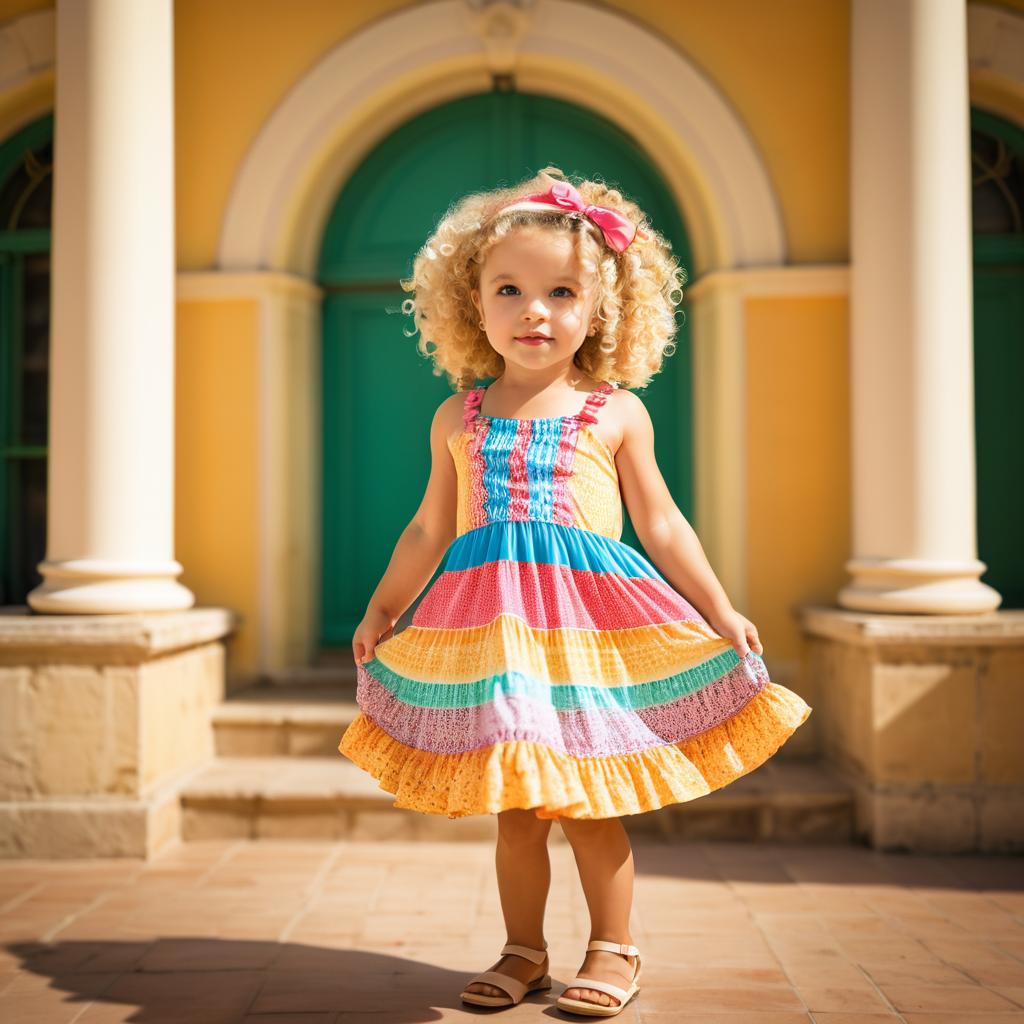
pixel 102 720
pixel 923 715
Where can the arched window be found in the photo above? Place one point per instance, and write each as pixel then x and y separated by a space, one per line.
pixel 26 195
pixel 997 173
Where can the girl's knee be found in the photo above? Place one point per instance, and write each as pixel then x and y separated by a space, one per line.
pixel 590 827
pixel 520 826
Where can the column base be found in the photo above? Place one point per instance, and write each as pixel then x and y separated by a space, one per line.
pixel 101 587
pixel 911 586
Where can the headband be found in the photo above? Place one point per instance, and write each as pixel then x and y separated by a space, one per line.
pixel 619 231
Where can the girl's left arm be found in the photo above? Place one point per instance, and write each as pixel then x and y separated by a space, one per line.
pixel 668 538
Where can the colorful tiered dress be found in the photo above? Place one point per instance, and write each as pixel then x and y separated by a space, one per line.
pixel 550 665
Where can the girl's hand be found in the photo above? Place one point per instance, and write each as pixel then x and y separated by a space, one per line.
pixel 375 628
pixel 739 631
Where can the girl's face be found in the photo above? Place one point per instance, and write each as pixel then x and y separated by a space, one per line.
pixel 531 284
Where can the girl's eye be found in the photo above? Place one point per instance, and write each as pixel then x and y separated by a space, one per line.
pixel 560 287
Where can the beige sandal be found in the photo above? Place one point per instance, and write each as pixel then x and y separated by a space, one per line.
pixel 515 988
pixel 589 1009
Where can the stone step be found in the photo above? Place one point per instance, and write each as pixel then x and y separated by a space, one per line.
pixel 330 798
pixel 334 665
pixel 305 720
pixel 332 672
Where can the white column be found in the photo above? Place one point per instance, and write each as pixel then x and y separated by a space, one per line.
pixel 914 528
pixel 110 525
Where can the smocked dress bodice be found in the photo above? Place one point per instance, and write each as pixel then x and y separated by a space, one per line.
pixel 553 470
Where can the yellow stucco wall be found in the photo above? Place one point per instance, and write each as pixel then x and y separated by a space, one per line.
pixel 798 468
pixel 216 494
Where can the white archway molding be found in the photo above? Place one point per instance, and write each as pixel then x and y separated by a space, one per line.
pixel 416 58
pixel 27 54
pixel 995 59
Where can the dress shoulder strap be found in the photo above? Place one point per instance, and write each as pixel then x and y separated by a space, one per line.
pixel 595 400
pixel 471 405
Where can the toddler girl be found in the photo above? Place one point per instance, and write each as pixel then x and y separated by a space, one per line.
pixel 553 671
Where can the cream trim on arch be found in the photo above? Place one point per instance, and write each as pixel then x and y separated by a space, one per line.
pixel 995 60
pixel 28 46
pixel 427 54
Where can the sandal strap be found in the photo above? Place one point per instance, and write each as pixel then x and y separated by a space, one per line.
pixel 613 947
pixel 513 986
pixel 535 955
pixel 602 986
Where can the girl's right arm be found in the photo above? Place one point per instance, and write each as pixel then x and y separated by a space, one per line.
pixel 421 544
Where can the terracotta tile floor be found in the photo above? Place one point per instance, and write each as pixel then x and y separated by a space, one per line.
pixel 389 932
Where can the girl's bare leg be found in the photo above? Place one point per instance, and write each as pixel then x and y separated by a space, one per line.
pixel 524 877
pixel 605 862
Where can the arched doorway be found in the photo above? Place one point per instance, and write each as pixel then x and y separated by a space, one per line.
pixel 379 394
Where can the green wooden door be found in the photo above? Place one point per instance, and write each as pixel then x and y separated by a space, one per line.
pixel 378 392
pixel 997 158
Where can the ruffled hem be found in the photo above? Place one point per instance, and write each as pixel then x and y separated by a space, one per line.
pixel 530 775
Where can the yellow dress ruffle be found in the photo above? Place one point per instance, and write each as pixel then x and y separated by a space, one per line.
pixel 525 774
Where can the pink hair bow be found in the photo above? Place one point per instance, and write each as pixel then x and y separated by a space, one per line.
pixel 619 231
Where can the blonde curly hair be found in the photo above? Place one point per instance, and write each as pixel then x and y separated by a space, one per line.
pixel 636 290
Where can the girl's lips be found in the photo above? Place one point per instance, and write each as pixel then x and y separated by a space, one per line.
pixel 533 339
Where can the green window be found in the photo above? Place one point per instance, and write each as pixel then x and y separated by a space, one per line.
pixel 997 172
pixel 26 194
